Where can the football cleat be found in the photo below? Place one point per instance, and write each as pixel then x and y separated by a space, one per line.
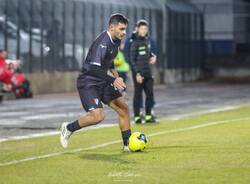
pixel 126 149
pixel 150 119
pixel 137 120
pixel 65 135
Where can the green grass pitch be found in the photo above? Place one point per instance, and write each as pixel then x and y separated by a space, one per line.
pixel 213 148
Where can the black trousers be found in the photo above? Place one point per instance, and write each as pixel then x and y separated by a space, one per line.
pixel 147 87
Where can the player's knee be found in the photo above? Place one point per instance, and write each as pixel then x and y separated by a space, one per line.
pixel 124 110
pixel 100 118
pixel 97 116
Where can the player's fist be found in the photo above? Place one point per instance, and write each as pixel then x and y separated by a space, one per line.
pixel 118 83
pixel 139 78
pixel 152 60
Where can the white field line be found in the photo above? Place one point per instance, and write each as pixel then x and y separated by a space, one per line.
pixel 174 117
pixel 118 141
pixel 13 138
pixel 220 109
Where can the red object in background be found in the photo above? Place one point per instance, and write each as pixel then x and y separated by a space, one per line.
pixel 5 73
pixel 19 92
pixel 21 85
pixel 18 79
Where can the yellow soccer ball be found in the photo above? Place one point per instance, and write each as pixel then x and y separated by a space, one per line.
pixel 137 141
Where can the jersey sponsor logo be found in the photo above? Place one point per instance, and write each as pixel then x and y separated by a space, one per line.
pixel 142 48
pixel 103 46
pixel 142 52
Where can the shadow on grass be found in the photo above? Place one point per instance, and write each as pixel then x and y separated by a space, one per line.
pixel 113 158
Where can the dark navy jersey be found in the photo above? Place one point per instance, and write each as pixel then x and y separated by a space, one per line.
pixel 101 53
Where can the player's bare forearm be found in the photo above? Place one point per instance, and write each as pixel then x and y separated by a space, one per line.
pixel 115 73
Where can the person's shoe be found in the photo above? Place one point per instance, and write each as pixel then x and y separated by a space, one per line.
pixel 150 119
pixel 65 135
pixel 137 120
pixel 126 149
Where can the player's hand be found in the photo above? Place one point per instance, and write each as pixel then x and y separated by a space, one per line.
pixel 139 78
pixel 118 83
pixel 152 60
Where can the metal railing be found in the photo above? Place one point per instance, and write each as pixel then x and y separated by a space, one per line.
pixel 49 35
pixel 54 35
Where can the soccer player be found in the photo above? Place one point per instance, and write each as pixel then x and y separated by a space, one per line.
pixel 96 86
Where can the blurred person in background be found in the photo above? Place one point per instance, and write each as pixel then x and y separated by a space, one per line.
pixel 153 48
pixel 5 72
pixel 140 58
pixel 12 79
pixel 20 85
pixel 121 65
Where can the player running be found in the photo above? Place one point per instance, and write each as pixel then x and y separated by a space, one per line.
pixel 95 86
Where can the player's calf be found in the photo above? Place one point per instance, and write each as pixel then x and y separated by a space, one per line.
pixel 92 118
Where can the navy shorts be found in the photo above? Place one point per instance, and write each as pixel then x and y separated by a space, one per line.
pixel 93 94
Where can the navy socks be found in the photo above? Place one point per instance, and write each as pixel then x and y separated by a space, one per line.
pixel 125 136
pixel 74 126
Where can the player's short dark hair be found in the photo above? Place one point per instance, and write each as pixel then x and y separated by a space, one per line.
pixel 118 18
pixel 142 22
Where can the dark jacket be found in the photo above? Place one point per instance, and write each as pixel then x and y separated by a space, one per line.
pixel 127 46
pixel 139 56
pixel 128 42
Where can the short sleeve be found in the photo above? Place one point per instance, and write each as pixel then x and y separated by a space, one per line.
pixel 99 54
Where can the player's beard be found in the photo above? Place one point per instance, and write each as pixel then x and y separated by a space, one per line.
pixel 121 37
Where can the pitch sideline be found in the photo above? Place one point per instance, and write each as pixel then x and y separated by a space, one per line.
pixel 175 118
pixel 118 141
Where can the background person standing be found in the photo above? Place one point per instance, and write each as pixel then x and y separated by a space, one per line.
pixel 141 58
